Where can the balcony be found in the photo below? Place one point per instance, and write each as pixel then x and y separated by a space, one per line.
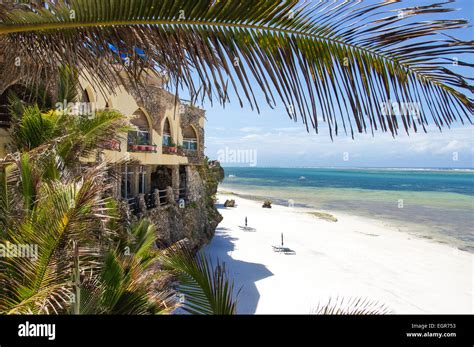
pixel 170 150
pixel 142 148
pixel 139 141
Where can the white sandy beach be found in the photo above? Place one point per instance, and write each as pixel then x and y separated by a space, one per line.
pixel 351 257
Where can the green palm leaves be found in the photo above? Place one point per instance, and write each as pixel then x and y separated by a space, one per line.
pixel 204 289
pixel 340 62
pixel 54 214
pixel 125 282
pixel 351 306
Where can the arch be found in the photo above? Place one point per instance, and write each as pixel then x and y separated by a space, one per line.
pixel 190 138
pixel 167 132
pixel 88 95
pixel 140 120
pixel 143 133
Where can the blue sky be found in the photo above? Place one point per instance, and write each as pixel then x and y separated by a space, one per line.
pixel 276 140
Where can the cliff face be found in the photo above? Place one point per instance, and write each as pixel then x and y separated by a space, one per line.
pixel 198 219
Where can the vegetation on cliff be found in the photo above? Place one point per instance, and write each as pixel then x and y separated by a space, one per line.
pixel 212 173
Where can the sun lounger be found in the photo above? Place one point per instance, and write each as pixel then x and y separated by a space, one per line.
pixel 247 228
pixel 284 250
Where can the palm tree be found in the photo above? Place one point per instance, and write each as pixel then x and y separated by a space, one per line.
pixel 126 283
pixel 345 63
pixel 47 216
pixel 81 260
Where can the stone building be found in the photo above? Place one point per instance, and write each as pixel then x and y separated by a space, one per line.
pixel 158 163
pixel 166 142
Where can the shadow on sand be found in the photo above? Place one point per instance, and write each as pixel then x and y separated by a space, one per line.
pixel 243 274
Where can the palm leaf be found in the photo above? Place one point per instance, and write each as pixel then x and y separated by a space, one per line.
pixel 351 306
pixel 58 212
pixel 334 62
pixel 5 197
pixel 203 289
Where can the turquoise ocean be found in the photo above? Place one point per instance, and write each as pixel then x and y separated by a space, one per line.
pixel 436 204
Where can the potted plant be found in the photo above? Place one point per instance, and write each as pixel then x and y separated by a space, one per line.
pixel 172 147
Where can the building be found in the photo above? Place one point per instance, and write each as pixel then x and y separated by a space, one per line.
pixel 166 143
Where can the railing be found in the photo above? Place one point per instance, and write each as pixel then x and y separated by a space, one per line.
pixel 141 148
pixel 133 204
pixel 186 102
pixel 150 201
pixel 156 199
pixel 170 149
pixel 181 193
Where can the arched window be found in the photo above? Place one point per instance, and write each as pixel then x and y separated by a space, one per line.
pixel 140 136
pixel 167 141
pixel 190 139
pixel 87 95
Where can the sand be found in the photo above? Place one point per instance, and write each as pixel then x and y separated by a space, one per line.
pixel 353 257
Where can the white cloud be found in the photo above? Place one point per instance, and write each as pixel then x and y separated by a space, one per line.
pixel 250 129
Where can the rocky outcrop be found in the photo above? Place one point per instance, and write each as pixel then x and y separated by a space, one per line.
pixel 229 203
pixel 194 222
pixel 197 220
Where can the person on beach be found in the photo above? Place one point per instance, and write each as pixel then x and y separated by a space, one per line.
pixel 245 221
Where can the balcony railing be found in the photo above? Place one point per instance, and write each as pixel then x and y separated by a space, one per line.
pixel 142 148
pixel 157 199
pixel 186 102
pixel 170 149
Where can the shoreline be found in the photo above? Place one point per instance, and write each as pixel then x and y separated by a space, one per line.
pixel 416 230
pixel 353 257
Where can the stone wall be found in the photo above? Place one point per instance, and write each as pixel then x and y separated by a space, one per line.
pixel 197 221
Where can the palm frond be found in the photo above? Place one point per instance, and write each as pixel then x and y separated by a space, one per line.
pixel 68 82
pixel 6 203
pixel 34 128
pixel 338 62
pixel 351 306
pixel 58 212
pixel 203 288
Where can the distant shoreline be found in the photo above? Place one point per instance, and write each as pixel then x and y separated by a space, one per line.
pixel 435 169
